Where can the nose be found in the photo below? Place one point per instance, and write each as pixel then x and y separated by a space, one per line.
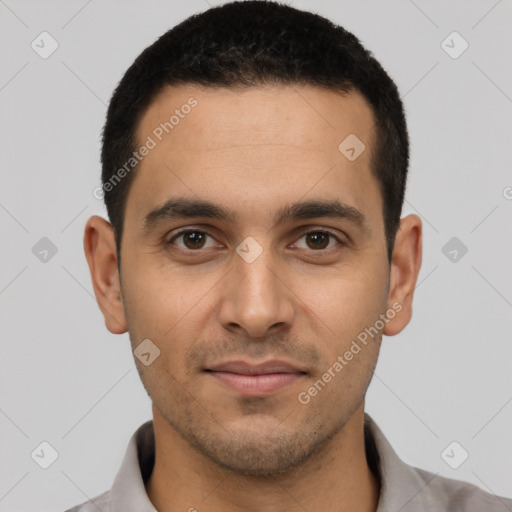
pixel 256 300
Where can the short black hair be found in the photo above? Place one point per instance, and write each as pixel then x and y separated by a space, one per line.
pixel 250 44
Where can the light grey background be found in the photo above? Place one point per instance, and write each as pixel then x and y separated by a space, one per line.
pixel 66 380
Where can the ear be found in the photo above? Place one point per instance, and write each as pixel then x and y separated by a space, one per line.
pixel 100 251
pixel 405 267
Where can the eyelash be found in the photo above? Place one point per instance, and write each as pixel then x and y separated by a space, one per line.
pixel 186 231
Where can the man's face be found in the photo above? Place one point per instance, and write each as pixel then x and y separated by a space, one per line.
pixel 299 290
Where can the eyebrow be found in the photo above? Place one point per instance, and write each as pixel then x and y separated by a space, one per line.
pixel 184 208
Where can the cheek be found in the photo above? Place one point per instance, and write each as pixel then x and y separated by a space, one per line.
pixel 349 341
pixel 166 312
pixel 347 302
pixel 153 301
pixel 168 308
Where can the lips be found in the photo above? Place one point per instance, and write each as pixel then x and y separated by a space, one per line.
pixel 251 379
pixel 246 368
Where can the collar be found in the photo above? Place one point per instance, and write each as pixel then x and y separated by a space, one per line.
pixel 402 487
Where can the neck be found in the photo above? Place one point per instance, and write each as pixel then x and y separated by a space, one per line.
pixel 337 478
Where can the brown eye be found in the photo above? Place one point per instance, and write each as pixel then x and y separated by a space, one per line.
pixel 194 240
pixel 318 240
pixel 191 240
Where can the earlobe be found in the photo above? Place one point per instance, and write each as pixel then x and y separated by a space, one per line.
pixel 405 267
pixel 100 251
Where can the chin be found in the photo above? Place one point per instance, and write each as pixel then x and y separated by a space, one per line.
pixel 265 448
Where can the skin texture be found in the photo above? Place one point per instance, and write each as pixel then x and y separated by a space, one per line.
pixel 255 151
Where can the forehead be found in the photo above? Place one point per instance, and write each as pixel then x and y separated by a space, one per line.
pixel 313 116
pixel 258 145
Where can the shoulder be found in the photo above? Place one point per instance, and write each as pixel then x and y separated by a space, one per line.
pixel 454 495
pixel 101 502
pixel 411 489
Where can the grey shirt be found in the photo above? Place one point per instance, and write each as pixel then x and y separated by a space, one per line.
pixel 403 488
